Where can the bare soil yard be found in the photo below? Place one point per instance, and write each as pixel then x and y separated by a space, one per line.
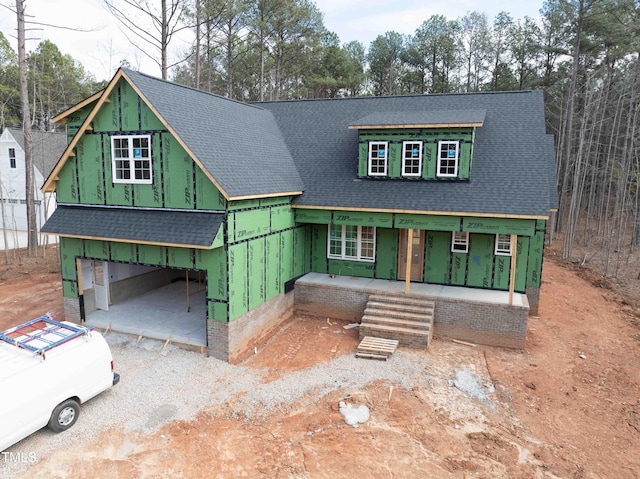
pixel 567 406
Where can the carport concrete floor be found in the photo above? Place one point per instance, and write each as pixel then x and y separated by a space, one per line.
pixel 159 314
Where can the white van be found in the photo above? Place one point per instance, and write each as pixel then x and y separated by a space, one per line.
pixel 47 369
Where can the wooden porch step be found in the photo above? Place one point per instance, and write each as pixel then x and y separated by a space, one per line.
pixel 376 348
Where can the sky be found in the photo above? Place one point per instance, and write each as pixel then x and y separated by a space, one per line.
pixel 101 44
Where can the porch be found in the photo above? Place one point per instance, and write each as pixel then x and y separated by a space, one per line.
pixel 469 314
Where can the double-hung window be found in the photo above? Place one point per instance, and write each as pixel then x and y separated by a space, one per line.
pixel 448 155
pixel 12 157
pixel 459 242
pixel 352 242
pixel 378 154
pixel 411 158
pixel 503 245
pixel 131 159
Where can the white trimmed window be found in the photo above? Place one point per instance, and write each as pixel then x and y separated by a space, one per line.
pixel 356 243
pixel 503 245
pixel 411 158
pixel 131 159
pixel 12 157
pixel 448 155
pixel 378 154
pixel 459 242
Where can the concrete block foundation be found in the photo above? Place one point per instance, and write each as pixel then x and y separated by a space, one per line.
pixel 234 341
pixel 478 316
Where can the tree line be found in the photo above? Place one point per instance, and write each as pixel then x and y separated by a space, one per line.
pixel 582 53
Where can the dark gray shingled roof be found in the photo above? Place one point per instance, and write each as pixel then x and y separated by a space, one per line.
pixel 511 173
pixel 427 117
pixel 239 144
pixel 46 148
pixel 158 226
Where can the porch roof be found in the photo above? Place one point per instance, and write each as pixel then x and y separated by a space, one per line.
pixel 195 229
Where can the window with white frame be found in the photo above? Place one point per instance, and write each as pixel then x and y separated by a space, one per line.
pixel 503 245
pixel 131 159
pixel 12 157
pixel 352 242
pixel 459 242
pixel 411 158
pixel 448 155
pixel 378 154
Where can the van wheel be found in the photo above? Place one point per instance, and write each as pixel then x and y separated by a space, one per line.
pixel 64 415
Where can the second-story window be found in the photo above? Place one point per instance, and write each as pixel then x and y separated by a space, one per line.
pixel 378 154
pixel 131 159
pixel 448 154
pixel 412 158
pixel 12 157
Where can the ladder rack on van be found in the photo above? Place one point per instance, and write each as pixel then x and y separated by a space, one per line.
pixel 42 334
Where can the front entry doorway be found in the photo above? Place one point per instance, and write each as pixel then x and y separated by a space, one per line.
pixel 417 255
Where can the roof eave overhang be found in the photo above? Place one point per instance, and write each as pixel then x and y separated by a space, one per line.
pixel 416 125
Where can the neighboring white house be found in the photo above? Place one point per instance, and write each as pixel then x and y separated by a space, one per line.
pixel 47 147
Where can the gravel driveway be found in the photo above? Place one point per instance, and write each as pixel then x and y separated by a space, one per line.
pixel 161 385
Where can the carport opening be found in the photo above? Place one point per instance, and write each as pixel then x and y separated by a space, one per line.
pixel 160 303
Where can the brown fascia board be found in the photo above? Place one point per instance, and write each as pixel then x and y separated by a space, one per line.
pixel 422 212
pixel 417 125
pixel 62 117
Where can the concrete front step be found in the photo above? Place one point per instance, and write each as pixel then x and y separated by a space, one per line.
pixel 417 325
pixel 402 299
pixel 400 307
pixel 408 319
pixel 408 316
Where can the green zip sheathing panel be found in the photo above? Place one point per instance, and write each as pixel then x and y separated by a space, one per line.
pixel 124 252
pixel 67 187
pixel 501 272
pixel 362 218
pixel 437 257
pixel 319 249
pixel 351 268
pixel 256 272
pixel 499 226
pixel 153 254
pixel 536 247
pixel 178 182
pixel 458 269
pixel 480 261
pixel 427 222
pixel 238 281
pixel 313 216
pixel 264 240
pixel 429 138
pixel 386 266
pixel 272 254
pixel 522 260
pixel 75 120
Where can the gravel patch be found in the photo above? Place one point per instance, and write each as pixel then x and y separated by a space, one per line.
pixel 162 383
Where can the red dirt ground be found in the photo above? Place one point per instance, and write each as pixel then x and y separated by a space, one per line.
pixel 569 404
